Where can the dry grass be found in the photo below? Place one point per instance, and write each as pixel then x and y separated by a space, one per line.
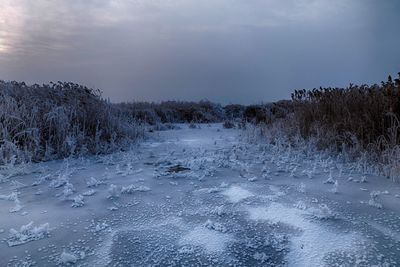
pixel 357 121
pixel 366 113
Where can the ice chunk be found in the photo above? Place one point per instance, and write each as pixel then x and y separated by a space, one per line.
pixel 335 188
pixel 90 192
pixel 68 191
pixel 93 182
pixel 68 258
pixel 78 201
pixel 374 200
pixel 28 233
pixel 60 181
pixel 130 189
pixel 113 191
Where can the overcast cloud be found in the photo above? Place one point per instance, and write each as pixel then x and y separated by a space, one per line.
pixel 244 51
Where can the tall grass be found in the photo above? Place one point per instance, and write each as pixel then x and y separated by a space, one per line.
pixel 357 121
pixel 367 113
pixel 42 122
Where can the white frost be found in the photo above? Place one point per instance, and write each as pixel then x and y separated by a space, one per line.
pixel 68 258
pixel 211 241
pixel 78 201
pixel 236 194
pixel 130 189
pixel 113 191
pixel 27 233
pixel 314 241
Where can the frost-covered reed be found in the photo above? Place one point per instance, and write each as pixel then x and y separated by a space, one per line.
pixel 361 124
pixel 43 122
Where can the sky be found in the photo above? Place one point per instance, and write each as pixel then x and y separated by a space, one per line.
pixel 227 51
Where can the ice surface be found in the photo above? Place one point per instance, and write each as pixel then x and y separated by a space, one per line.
pixel 241 204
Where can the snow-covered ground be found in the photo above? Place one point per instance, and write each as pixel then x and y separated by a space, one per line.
pixel 198 197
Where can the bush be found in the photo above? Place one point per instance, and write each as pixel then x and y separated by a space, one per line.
pixel 234 111
pixel 267 113
pixel 175 112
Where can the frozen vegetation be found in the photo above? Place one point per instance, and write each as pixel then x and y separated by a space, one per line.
pixel 44 122
pixel 200 196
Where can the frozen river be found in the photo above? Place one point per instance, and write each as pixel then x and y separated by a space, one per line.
pixel 198 197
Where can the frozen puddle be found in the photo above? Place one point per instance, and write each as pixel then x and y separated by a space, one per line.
pixel 313 243
pixel 211 241
pixel 236 194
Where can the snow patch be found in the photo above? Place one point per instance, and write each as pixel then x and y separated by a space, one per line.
pixel 314 241
pixel 236 194
pixel 68 258
pixel 211 241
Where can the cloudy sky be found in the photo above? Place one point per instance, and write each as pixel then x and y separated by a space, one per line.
pixel 229 51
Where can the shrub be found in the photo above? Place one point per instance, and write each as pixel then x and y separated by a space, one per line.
pixel 267 113
pixel 175 112
pixel 233 111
